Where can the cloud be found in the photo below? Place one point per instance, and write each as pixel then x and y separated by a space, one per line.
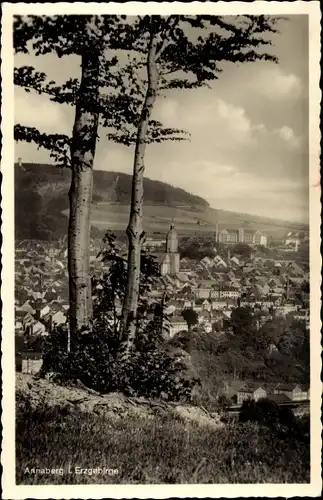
pixel 38 111
pixel 288 136
pixel 228 187
pixel 247 150
pixel 235 119
pixel 114 157
pixel 209 119
pixel 275 84
pixel 167 110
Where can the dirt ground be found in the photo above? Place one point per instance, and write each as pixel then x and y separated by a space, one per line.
pixel 42 392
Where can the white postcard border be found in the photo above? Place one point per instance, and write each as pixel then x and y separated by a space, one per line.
pixel 10 490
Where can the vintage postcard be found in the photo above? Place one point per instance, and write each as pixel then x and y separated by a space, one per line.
pixel 161 250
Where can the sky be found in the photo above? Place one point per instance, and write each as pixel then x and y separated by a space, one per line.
pixel 248 149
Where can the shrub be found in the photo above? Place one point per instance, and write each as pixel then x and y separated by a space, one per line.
pixel 156 368
pixel 55 352
pixel 158 373
pixel 264 411
pixel 282 419
pixel 223 401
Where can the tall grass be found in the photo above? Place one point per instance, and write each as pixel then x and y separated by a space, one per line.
pixel 158 450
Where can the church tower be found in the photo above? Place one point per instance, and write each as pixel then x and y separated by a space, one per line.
pixel 172 240
pixel 172 250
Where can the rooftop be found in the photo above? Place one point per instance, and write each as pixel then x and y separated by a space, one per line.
pixel 278 398
pixel 287 387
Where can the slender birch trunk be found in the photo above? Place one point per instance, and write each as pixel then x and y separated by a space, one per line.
pixel 80 193
pixel 135 231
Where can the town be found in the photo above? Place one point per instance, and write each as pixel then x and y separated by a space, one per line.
pixel 162 194
pixel 239 270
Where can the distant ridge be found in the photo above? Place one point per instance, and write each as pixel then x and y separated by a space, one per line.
pixel 41 200
pixel 112 186
pixel 41 195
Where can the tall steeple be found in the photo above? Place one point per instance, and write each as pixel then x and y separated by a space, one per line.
pixel 172 240
pixel 216 232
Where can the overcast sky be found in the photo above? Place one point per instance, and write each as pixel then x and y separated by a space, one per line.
pixel 249 133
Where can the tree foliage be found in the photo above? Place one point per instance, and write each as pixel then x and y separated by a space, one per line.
pixel 109 288
pixel 120 89
pixel 243 250
pixel 280 419
pixel 174 59
pixel 157 368
pixel 197 248
pixel 190 316
pixel 178 52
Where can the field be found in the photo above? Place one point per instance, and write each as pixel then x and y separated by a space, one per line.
pixel 115 216
pixel 41 196
pixel 187 453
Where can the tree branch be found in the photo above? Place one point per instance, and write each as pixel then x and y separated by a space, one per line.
pixel 165 41
pixel 161 50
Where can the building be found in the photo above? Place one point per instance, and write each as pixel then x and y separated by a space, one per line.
pixel 220 304
pixel 245 393
pixel 208 289
pixel 242 235
pixel 293 240
pixel 293 391
pixel 219 262
pixel 228 236
pixel 169 261
pixel 177 324
pixel 207 262
pixel 153 242
pixel 279 398
pixel 229 292
pixel 29 362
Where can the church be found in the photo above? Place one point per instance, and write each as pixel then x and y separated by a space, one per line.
pixel 169 261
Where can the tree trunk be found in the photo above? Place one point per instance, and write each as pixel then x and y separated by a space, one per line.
pixel 80 194
pixel 135 231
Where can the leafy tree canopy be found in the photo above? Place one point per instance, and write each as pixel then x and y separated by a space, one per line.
pixel 189 55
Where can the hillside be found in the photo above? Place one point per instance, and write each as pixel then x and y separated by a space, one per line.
pixel 113 439
pixel 112 187
pixel 41 206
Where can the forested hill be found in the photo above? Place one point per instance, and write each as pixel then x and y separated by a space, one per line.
pixel 108 186
pixel 41 194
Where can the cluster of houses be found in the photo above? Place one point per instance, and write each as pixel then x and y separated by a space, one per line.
pixel 41 285
pixel 282 393
pixel 212 287
pixel 216 285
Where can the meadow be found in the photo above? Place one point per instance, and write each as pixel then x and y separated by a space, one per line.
pixel 157 218
pixel 187 452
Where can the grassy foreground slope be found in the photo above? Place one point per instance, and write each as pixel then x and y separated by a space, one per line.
pixel 126 437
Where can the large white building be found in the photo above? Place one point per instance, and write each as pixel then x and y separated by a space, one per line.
pixel 241 235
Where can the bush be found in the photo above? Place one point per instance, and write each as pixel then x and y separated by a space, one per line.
pixel 282 419
pixel 159 373
pixel 55 353
pixel 223 401
pixel 156 368
pixel 90 360
pixel 264 411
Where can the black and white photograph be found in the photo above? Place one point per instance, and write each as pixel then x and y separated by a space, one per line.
pixel 161 249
